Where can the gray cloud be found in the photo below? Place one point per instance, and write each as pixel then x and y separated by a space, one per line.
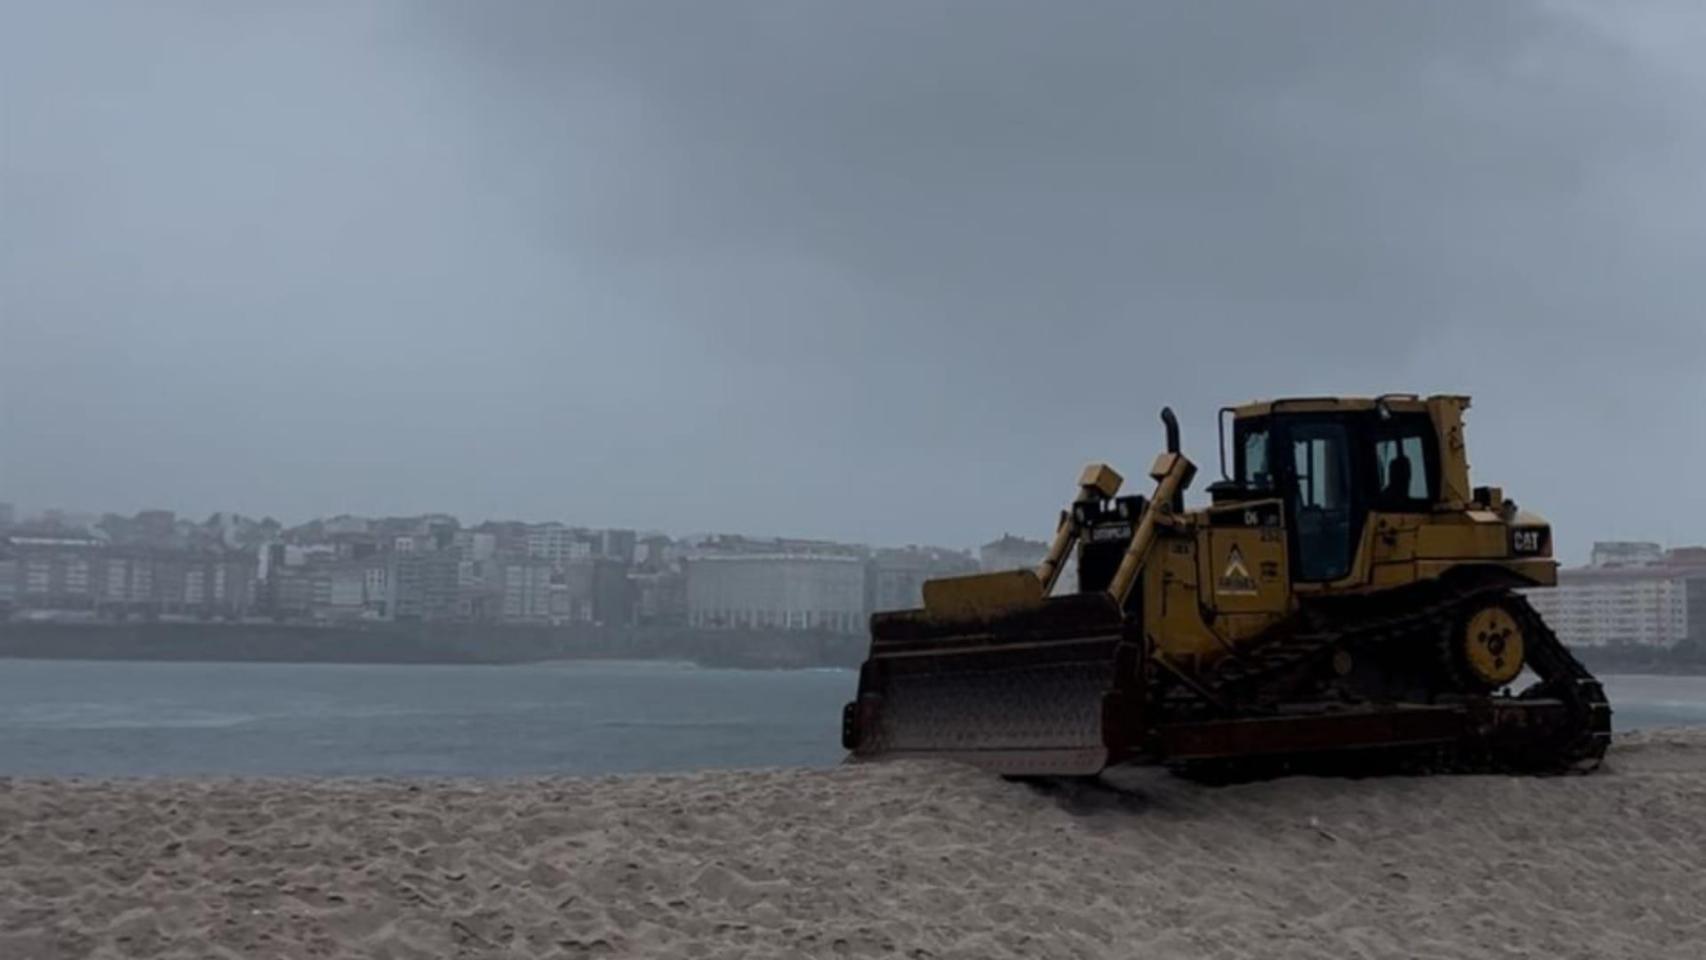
pixel 885 272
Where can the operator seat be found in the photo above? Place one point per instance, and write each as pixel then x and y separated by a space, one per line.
pixel 1397 480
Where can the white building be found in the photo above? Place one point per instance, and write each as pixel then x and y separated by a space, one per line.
pixel 777 591
pixel 1626 553
pixel 1628 598
pixel 476 545
pixel 349 586
pixel 527 591
pixel 557 543
pixel 373 584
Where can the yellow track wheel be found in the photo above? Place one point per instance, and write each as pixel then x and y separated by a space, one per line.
pixel 1492 646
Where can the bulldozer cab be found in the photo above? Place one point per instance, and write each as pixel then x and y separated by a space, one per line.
pixel 1329 464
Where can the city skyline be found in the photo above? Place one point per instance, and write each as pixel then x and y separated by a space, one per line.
pixel 352 570
pixel 26 514
pixel 1569 551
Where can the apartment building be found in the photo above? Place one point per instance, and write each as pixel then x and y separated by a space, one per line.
pixel 777 591
pixel 1631 595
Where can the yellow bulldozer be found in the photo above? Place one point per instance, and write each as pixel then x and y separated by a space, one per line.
pixel 1345 601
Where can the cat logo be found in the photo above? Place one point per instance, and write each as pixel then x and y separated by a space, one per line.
pixel 1235 580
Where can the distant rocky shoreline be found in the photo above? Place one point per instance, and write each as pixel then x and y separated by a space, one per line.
pixel 423 643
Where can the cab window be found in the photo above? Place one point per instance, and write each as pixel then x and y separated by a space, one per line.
pixel 1320 467
pixel 1251 466
pixel 1403 464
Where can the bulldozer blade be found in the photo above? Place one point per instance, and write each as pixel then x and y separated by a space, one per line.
pixel 1020 693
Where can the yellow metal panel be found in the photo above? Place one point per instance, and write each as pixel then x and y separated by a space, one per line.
pixel 982 594
pixel 1179 559
pixel 1461 540
pixel 1163 464
pixel 1172 611
pixel 1262 408
pixel 1540 572
pixel 1395 536
pixel 1447 415
pixel 1389 575
pixel 1247 569
pixel 1240 628
pixel 1102 478
pixel 1244 571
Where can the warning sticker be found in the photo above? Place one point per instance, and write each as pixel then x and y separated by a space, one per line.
pixel 1235 580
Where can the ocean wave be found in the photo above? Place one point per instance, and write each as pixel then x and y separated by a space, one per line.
pixel 109 717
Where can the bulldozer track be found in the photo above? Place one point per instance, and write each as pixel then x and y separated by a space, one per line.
pixel 1257 680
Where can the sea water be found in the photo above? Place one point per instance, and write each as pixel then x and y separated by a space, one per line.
pixel 111 718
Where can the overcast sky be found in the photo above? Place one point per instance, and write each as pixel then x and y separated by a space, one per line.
pixel 885 272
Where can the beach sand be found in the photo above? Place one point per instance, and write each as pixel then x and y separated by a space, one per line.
pixel 911 859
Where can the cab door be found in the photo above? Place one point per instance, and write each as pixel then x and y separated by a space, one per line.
pixel 1324 511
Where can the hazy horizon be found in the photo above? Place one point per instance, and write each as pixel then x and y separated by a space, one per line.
pixel 887 273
